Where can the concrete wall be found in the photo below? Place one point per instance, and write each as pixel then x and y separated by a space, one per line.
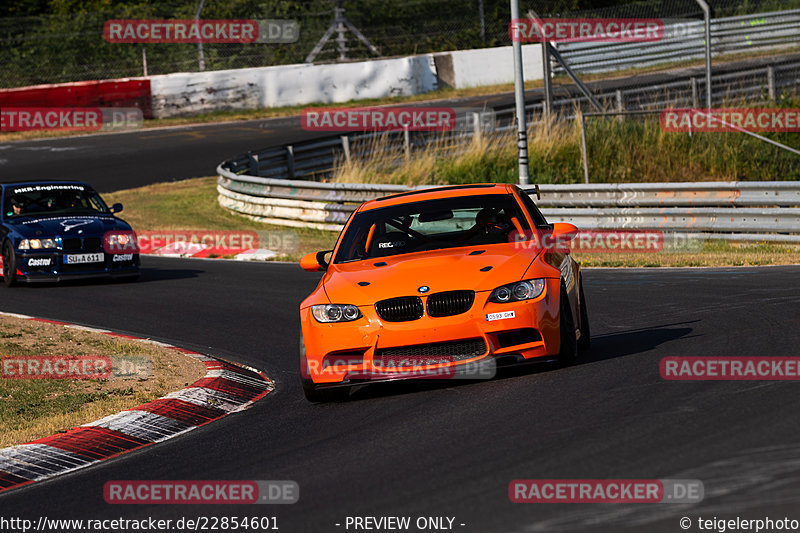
pixel 189 93
pixel 486 66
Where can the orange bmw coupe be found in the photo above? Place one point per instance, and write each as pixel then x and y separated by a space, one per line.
pixel 440 283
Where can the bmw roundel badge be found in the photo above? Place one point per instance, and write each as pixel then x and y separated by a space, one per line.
pixel 424 288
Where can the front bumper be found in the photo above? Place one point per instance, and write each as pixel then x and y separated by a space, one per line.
pixel 350 352
pixel 43 266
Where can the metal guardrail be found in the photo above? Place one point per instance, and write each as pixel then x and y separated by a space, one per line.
pixel 745 211
pixel 315 160
pixel 685 40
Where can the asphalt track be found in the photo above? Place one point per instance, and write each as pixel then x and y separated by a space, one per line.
pixel 448 450
pixel 451 450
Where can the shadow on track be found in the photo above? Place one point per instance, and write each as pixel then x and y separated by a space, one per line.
pixel 147 275
pixel 633 341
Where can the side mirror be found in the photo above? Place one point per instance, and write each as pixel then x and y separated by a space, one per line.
pixel 564 230
pixel 116 208
pixel 561 237
pixel 315 261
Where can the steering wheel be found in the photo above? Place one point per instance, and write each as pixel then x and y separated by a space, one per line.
pixel 408 231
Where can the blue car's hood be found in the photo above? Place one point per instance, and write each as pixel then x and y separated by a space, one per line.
pixel 68 226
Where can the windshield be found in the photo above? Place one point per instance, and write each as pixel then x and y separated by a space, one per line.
pixel 431 225
pixel 37 200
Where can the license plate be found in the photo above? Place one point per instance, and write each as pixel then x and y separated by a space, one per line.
pixel 75 259
pixel 499 316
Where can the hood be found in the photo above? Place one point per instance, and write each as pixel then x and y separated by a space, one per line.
pixel 68 226
pixel 441 270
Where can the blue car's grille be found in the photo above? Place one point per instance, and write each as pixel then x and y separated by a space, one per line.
pixel 92 243
pixel 77 244
pixel 71 245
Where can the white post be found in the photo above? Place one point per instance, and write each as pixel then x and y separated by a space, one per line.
pixel 201 60
pixel 519 97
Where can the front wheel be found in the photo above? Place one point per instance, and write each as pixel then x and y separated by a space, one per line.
pixel 568 353
pixel 585 342
pixel 9 265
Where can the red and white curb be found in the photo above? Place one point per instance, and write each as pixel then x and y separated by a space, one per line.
pixel 225 389
pixel 197 250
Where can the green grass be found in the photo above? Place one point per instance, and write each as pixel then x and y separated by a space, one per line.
pixel 713 253
pixel 633 150
pixel 35 408
pixel 192 205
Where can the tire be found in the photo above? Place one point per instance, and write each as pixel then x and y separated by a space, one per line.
pixel 9 265
pixel 568 353
pixel 313 392
pixel 585 342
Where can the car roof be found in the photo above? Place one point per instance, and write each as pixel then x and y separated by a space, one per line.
pixel 23 183
pixel 436 193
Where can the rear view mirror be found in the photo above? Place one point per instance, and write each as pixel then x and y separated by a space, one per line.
pixel 315 261
pixel 116 208
pixel 435 215
pixel 564 230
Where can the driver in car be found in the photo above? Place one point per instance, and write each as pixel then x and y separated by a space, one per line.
pixel 17 206
pixel 490 227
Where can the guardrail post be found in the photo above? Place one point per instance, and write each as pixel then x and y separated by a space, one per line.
pixel 407 143
pixel 476 127
pixel 771 82
pixel 584 156
pixel 620 104
pixel 253 164
pixel 693 81
pixel 548 91
pixel 290 161
pixel 346 147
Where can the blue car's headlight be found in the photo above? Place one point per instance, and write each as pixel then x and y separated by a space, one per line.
pixel 335 313
pixel 515 292
pixel 37 244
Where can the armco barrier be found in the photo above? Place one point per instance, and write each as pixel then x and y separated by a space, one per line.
pixel 745 211
pixel 685 40
pixel 133 92
pixel 315 159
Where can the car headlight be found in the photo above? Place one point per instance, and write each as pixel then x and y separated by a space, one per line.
pixel 115 242
pixel 515 292
pixel 335 313
pixel 36 244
